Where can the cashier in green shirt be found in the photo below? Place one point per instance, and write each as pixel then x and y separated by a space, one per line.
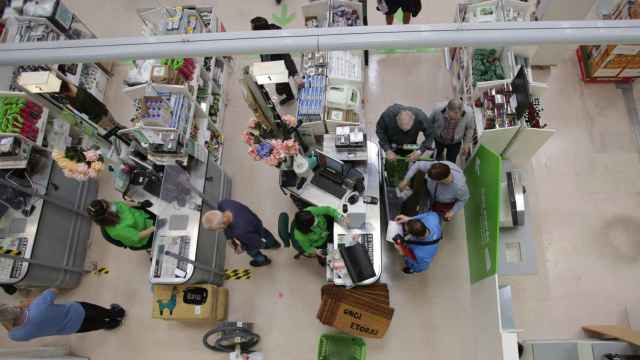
pixel 123 224
pixel 312 230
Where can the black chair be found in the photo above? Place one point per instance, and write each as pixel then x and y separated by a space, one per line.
pixel 286 230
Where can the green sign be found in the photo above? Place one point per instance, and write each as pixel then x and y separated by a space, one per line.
pixel 482 213
pixel 284 18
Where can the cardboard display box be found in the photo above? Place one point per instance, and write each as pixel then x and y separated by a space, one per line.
pixel 190 302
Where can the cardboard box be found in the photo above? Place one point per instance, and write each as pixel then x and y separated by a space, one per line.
pixel 359 322
pixel 203 302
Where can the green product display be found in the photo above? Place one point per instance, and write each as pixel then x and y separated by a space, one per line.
pixel 486 66
pixel 397 169
pixel 482 213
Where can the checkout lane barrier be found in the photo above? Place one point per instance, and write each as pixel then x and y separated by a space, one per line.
pixel 96 270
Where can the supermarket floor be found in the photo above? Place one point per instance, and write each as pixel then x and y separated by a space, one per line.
pixel 584 192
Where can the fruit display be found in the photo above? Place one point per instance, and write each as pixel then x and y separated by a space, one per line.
pixel 20 116
pixel 486 66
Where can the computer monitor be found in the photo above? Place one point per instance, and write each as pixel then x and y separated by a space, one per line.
pixel 520 88
pixel 330 167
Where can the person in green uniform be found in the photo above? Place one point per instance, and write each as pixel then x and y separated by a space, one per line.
pixel 127 225
pixel 312 230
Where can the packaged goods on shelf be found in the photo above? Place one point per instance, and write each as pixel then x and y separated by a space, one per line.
pixel 486 11
pixel 487 66
pixel 345 16
pixel 314 63
pixel 311 99
pixel 21 117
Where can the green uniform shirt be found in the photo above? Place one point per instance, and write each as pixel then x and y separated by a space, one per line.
pixel 132 222
pixel 317 237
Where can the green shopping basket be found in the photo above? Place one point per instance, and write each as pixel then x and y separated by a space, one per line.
pixel 341 347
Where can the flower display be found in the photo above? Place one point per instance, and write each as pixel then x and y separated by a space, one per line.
pixel 263 147
pixel 79 164
pixel 290 121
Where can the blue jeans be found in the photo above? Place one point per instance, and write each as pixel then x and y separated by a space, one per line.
pixel 270 243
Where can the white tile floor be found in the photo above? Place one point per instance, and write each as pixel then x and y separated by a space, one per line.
pixel 584 193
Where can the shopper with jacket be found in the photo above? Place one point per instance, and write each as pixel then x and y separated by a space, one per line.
pixel 125 223
pixel 312 229
pixel 282 89
pixel 43 317
pixel 243 228
pixel 416 239
pixel 454 125
pixel 446 184
pixel 400 125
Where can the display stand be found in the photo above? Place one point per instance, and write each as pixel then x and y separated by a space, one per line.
pixel 60 25
pixel 177 138
pixel 473 73
pixel 337 71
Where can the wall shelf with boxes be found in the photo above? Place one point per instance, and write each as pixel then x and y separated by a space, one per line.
pixel 333 92
pixel 498 83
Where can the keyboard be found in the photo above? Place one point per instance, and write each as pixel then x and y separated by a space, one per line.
pixel 365 239
pixel 329 186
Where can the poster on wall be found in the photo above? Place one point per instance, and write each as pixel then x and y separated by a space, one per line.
pixel 482 213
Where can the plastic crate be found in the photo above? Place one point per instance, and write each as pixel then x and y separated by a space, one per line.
pixel 341 347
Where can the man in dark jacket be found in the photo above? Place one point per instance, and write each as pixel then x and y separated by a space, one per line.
pixel 400 126
pixel 243 228
pixel 282 89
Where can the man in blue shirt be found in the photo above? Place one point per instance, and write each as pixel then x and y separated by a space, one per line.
pixel 243 228
pixel 43 317
pixel 417 238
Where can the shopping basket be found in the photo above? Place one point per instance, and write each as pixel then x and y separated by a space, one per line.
pixel 341 347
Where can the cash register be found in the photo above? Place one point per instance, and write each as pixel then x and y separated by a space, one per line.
pixel 336 177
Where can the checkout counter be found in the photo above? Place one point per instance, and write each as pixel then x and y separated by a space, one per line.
pixel 45 222
pixel 199 253
pixel 376 219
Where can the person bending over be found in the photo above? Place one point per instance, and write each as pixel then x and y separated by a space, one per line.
pixel 243 228
pixel 43 317
pixel 446 186
pixel 399 126
pixel 416 239
pixel 124 223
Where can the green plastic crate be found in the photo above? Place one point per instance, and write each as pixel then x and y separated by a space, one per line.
pixel 341 347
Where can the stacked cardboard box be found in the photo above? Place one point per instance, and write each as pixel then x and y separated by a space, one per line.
pixel 361 311
pixel 190 302
pixel 616 61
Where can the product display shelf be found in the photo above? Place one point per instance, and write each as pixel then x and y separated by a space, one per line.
pixel 34 29
pixel 339 68
pixel 42 122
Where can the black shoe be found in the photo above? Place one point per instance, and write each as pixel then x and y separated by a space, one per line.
pixel 286 100
pixel 259 264
pixel 276 245
pixel 113 324
pixel 407 270
pixel 278 2
pixel 117 311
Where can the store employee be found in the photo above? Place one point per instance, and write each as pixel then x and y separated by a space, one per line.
pixel 125 224
pixel 454 125
pixel 400 125
pixel 446 184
